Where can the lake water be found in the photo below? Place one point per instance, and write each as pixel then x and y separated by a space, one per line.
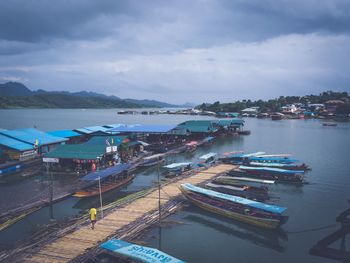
pixel 201 236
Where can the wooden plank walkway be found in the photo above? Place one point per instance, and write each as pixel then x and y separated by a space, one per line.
pixel 72 245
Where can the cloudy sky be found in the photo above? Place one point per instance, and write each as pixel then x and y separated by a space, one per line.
pixel 177 51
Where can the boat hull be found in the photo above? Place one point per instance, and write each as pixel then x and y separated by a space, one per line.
pixel 260 222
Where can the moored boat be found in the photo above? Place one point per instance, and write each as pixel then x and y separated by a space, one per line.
pixel 250 192
pixel 153 160
pixel 286 166
pixel 278 175
pixel 238 208
pixel 176 169
pixel 207 159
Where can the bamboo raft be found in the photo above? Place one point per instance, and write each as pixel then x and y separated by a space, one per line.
pixel 123 222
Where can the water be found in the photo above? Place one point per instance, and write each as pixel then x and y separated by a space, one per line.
pixel 204 237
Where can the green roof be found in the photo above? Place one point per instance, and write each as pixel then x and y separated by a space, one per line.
pixel 80 151
pixel 203 126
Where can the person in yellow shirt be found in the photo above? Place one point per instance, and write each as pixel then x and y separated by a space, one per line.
pixel 93 213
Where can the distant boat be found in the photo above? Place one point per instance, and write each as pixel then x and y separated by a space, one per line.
pixel 235 207
pixel 277 116
pixel 329 124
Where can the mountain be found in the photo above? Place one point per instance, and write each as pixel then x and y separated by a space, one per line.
pixel 14 89
pixel 17 95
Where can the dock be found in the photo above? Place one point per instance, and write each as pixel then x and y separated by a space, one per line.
pixel 72 245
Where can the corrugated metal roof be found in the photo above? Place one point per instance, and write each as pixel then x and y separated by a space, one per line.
pixel 31 135
pixel 83 131
pixel 144 128
pixel 15 144
pixel 78 151
pixel 64 133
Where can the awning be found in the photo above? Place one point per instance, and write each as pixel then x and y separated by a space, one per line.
pixel 114 170
pixel 141 253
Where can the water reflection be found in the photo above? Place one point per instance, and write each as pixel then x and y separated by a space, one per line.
pixel 261 237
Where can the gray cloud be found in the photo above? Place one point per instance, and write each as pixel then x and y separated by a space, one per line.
pixel 177 51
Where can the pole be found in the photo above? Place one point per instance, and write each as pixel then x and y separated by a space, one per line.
pixel 99 186
pixel 47 165
pixel 159 212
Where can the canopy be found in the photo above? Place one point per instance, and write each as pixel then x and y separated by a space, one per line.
pixel 269 208
pixel 269 169
pixel 274 159
pixel 114 170
pixel 207 156
pixel 142 253
pixel 176 165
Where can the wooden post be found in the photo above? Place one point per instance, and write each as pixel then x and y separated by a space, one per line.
pixel 99 186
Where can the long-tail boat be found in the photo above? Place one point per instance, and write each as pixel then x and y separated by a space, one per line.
pixel 286 166
pixel 254 193
pixel 238 208
pixel 176 169
pixel 153 160
pixel 278 175
pixel 110 179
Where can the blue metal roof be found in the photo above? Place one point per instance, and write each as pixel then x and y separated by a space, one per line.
pixel 15 144
pixel 114 170
pixel 64 133
pixel 84 131
pixel 31 135
pixel 145 128
pixel 236 199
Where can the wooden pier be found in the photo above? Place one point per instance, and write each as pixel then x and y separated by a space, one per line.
pixel 70 246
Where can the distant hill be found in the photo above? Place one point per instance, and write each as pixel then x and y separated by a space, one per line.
pixel 17 95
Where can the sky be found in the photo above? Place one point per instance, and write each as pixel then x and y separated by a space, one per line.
pixel 177 51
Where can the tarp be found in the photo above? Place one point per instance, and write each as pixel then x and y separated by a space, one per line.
pixel 15 144
pixel 207 156
pixel 64 133
pixel 114 170
pixel 142 253
pixel 269 208
pixel 32 135
pixel 144 128
pixel 269 169
pixel 176 165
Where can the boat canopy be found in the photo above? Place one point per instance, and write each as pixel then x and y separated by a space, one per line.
pixel 274 155
pixel 207 156
pixel 269 169
pixel 254 204
pixel 114 170
pixel 252 154
pixel 276 165
pixel 232 153
pixel 176 165
pixel 247 179
pixel 142 253
pixel 274 159
pixel 154 156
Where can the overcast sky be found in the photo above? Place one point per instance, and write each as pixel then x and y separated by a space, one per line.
pixel 177 51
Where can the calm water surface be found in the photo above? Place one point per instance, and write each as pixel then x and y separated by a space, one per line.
pixel 204 237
